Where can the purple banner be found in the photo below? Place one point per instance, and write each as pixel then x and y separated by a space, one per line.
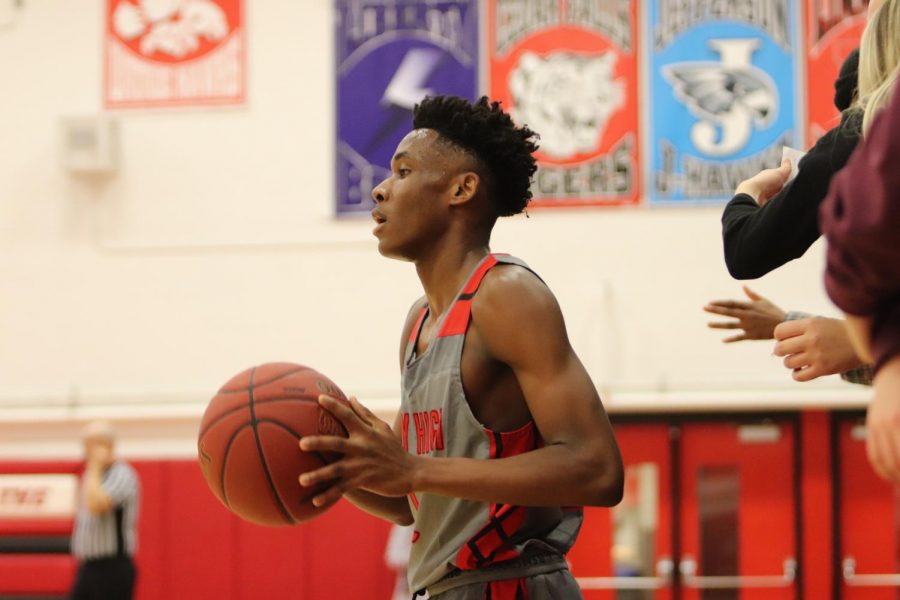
pixel 390 55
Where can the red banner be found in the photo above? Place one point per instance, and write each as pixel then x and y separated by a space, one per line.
pixel 833 30
pixel 569 70
pixel 174 53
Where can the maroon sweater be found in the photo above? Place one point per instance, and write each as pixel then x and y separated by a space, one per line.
pixel 861 220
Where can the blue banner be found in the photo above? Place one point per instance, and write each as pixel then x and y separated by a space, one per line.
pixel 722 79
pixel 390 55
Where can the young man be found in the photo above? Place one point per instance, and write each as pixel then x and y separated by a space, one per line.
pixel 501 435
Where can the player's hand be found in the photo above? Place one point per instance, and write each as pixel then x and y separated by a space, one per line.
pixel 765 184
pixel 815 347
pixel 883 423
pixel 373 458
pixel 757 318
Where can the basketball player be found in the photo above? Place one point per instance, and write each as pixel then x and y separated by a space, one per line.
pixel 104 539
pixel 501 435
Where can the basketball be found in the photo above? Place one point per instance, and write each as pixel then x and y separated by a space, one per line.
pixel 248 444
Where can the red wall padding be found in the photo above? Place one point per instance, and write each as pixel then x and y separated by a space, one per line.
pixel 190 546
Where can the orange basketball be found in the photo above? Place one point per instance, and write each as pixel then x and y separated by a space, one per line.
pixel 249 442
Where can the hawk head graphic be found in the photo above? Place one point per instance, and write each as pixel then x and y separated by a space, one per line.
pixel 714 92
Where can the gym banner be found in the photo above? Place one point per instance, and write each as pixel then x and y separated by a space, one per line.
pixel 390 55
pixel 833 30
pixel 36 496
pixel 174 53
pixel 723 93
pixel 569 70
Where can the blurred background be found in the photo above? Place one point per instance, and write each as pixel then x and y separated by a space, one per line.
pixel 183 194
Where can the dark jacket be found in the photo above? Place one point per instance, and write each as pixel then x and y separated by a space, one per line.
pixel 760 239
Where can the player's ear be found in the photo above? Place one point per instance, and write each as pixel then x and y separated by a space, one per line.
pixel 464 187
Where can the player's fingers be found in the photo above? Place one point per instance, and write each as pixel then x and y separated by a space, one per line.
pixel 327 473
pixel 328 443
pixel 343 412
pixel 329 496
pixel 362 412
pixel 724 325
pixel 735 338
pixel 327 500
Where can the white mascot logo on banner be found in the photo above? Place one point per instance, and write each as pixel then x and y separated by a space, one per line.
pixel 172 27
pixel 732 95
pixel 568 98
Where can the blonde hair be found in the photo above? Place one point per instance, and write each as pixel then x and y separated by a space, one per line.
pixel 879 61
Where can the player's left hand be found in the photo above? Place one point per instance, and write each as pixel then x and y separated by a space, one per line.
pixel 883 423
pixel 373 460
pixel 815 347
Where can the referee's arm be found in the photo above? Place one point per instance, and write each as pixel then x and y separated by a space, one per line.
pixel 104 495
pixel 96 498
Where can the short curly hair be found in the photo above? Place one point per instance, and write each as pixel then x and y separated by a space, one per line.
pixel 483 130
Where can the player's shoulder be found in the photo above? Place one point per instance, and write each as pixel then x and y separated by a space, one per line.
pixel 513 290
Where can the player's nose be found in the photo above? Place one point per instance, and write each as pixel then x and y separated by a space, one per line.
pixel 380 192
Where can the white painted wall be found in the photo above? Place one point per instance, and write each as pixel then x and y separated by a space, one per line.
pixel 213 248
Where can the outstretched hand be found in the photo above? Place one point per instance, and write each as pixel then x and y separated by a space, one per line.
pixel 765 184
pixel 373 458
pixel 815 347
pixel 757 318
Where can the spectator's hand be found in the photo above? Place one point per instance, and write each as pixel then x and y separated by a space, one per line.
pixel 758 318
pixel 883 423
pixel 765 184
pixel 815 347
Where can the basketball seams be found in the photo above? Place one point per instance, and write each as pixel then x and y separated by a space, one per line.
pixel 231 411
pixel 226 390
pixel 299 437
pixel 262 457
pixel 225 462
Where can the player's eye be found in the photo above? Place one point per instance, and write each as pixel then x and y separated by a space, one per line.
pixel 402 172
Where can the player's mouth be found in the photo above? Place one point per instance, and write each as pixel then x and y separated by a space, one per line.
pixel 379 219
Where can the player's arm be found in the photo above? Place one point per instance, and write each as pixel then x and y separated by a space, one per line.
pixel 518 319
pixel 579 463
pixel 394 509
pixel 389 508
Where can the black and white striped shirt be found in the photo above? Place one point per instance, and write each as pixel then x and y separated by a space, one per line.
pixel 111 533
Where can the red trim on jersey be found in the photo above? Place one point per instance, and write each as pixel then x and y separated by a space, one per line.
pixel 415 330
pixel 415 501
pixel 492 542
pixel 457 320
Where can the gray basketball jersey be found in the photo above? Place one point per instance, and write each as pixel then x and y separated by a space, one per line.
pixel 453 535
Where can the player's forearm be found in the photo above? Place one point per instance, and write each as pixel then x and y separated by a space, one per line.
pixel 555 475
pixel 395 510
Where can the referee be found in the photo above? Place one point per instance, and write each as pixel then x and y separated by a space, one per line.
pixel 104 539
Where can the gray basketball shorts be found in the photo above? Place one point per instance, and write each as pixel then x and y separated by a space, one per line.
pixel 556 585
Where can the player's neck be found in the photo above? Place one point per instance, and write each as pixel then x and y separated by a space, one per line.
pixel 444 272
